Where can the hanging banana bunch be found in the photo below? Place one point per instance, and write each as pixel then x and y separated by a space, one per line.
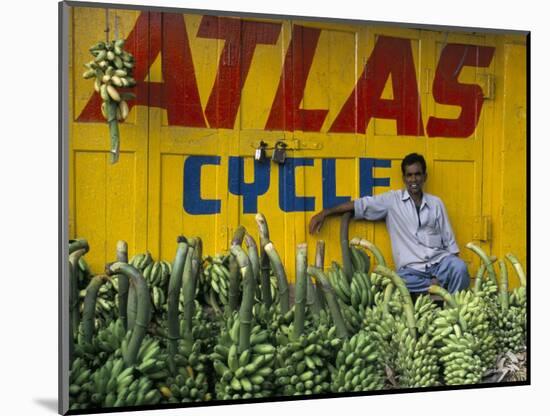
pixel 112 68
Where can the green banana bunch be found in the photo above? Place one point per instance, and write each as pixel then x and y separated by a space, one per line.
pixel 80 384
pixel 360 260
pixel 339 283
pixel 216 281
pixel 141 261
pixel 358 365
pixel 243 374
pixel 510 329
pixel 425 311
pixel 452 333
pixel 111 385
pixel 303 362
pixel 157 274
pixel 381 326
pixel 417 358
pixel 458 356
pixel 189 382
pixel 112 68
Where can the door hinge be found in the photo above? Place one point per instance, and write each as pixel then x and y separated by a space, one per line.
pixel 482 228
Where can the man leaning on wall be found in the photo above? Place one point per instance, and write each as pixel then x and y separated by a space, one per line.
pixel 423 243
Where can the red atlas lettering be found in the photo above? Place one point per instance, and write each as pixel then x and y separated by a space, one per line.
pixel 286 113
pixel 241 38
pixel 447 89
pixel 391 56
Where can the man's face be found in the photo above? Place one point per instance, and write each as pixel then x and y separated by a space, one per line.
pixel 414 178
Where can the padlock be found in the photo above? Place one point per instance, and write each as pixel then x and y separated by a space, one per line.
pixel 260 154
pixel 279 154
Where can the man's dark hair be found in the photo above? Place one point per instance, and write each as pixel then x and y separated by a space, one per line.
pixel 411 159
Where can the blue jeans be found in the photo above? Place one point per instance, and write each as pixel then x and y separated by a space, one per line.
pixel 451 272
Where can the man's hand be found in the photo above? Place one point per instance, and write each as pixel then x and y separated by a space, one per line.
pixel 316 222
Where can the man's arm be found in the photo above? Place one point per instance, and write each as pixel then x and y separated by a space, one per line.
pixel 318 219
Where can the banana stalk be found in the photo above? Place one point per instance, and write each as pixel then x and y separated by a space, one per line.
pixel 479 278
pixel 123 286
pixel 88 312
pixel 504 297
pixel 77 245
pixel 249 288
pixel 238 236
pixel 406 296
pixel 143 309
pixel 330 297
pixel 371 247
pixel 320 255
pixel 234 283
pixel 111 109
pixel 344 245
pixel 486 260
pixel 253 255
pixel 264 261
pixel 281 276
pixel 447 297
pixel 188 294
pixel 517 267
pixel 301 291
pixel 174 289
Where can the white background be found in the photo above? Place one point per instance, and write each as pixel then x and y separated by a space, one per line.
pixel 29 207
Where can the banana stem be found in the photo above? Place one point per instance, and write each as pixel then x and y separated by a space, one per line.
pixel 143 309
pixel 238 236
pixel 479 278
pixel 485 259
pixel 265 267
pixel 312 295
pixel 249 288
pixel 408 306
pixel 279 270
pixel 123 285
pixel 447 297
pixel 517 267
pixel 253 255
pixel 234 283
pixel 174 289
pixel 301 291
pixel 188 294
pixel 113 130
pixel 88 312
pixel 344 245
pixel 504 296
pixel 77 245
pixel 320 255
pixel 371 247
pixel 330 297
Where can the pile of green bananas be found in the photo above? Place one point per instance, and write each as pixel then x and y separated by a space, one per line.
pixel 302 361
pixel 112 68
pixel 187 380
pixel 452 333
pixel 80 384
pixel 157 275
pixel 215 280
pixel 417 358
pixel 358 365
pixel 247 373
